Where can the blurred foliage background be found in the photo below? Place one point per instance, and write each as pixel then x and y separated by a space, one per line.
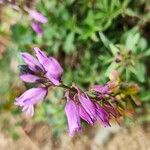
pixel 90 38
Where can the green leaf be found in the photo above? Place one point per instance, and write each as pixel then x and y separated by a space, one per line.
pixel 147 52
pixel 110 69
pixel 132 40
pixel 104 39
pixel 140 72
pixel 69 45
pixel 145 96
pixel 113 49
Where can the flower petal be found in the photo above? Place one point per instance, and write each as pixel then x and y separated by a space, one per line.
pixel 101 89
pixel 38 16
pixel 71 110
pixel 112 110
pixel 87 105
pixel 32 62
pixel 85 116
pixel 29 78
pixel 37 28
pixel 29 110
pixel 31 97
pixel 53 79
pixel 102 115
pixel 51 65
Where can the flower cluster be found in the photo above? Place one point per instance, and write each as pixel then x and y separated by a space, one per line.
pixel 44 70
pixel 37 17
pixel 38 20
pixel 101 103
pixel 79 105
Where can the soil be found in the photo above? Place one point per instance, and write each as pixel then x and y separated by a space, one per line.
pixel 38 136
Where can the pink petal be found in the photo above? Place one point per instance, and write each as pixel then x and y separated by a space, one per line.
pixel 37 28
pixel 38 16
pixel 51 65
pixel 102 115
pixel 31 97
pixel 29 78
pixel 87 105
pixel 101 89
pixel 32 62
pixel 85 116
pixel 29 110
pixel 73 118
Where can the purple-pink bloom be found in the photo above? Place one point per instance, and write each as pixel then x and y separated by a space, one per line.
pixel 111 110
pixel 32 62
pixel 29 98
pixel 86 103
pixel 85 116
pixel 51 65
pixel 35 71
pixel 73 118
pixel 45 68
pixel 101 89
pixel 37 20
pixel 102 115
pixel 30 78
pixel 37 16
pixel 37 28
pixel 81 107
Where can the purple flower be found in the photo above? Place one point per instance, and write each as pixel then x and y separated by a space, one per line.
pixel 101 89
pixel 29 78
pixel 80 107
pixel 72 113
pixel 42 69
pixel 37 28
pixel 29 98
pixel 87 104
pixel 35 71
pixel 37 16
pixel 85 116
pixel 111 110
pixel 102 115
pixel 32 62
pixel 51 65
pixel 38 19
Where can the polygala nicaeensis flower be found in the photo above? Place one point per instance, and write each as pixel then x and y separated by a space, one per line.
pixel 51 65
pixel 32 62
pixel 85 108
pixel 72 113
pixel 37 16
pixel 30 78
pixel 85 116
pixel 102 89
pixel 82 105
pixel 42 69
pixel 102 115
pixel 29 98
pixel 86 103
pixel 46 71
pixel 37 28
pixel 38 20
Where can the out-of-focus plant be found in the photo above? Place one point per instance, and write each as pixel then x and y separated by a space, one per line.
pixel 127 55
